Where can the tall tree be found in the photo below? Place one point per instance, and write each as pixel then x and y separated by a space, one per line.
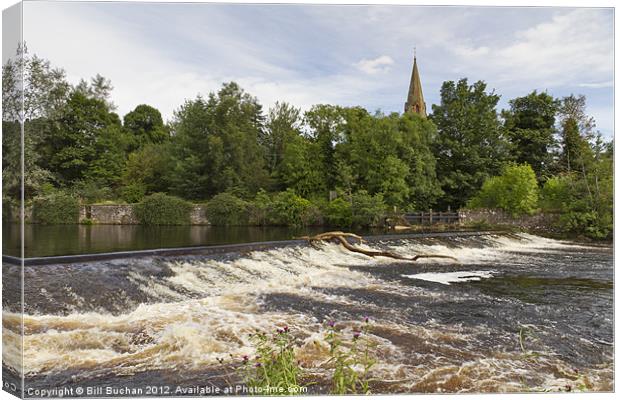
pixel 530 127
pixel 99 88
pixel 33 92
pixel 576 130
pixel 216 148
pixel 283 124
pixel 87 142
pixel 471 146
pixel 145 126
pixel 324 125
pixel 387 155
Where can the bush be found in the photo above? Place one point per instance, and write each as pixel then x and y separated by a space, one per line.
pixel 133 193
pixel 259 208
pixel 367 210
pixel 91 192
pixel 566 194
pixel 338 213
pixel 227 209
pixel 515 191
pixel 556 194
pixel 313 216
pixel 290 209
pixel 161 209
pixel 56 208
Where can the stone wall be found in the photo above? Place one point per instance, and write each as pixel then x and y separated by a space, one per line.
pixel 123 214
pixel 539 221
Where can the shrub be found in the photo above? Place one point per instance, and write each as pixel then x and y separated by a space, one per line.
pixel 367 210
pixel 227 209
pixel 556 194
pixel 290 209
pixel 564 194
pixel 312 216
pixel 338 212
pixel 91 192
pixel 515 191
pixel 133 193
pixel 259 208
pixel 56 208
pixel 162 209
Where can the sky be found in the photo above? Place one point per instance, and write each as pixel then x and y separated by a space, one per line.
pixel 162 54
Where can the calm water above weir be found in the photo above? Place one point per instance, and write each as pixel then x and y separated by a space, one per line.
pixel 53 240
pixel 438 325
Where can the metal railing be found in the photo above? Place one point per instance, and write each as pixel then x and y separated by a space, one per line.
pixel 432 217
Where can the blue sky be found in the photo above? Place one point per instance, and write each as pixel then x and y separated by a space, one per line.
pixel 162 54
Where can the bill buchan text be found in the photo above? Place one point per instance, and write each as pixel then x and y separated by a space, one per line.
pixel 98 391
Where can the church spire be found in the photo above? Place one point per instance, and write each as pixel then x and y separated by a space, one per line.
pixel 415 98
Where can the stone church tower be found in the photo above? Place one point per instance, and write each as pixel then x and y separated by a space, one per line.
pixel 415 99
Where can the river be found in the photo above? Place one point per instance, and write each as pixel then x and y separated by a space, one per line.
pixel 53 240
pixel 515 313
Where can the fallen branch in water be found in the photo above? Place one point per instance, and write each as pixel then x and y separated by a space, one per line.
pixel 341 237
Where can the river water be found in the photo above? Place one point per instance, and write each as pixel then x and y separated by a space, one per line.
pixel 515 313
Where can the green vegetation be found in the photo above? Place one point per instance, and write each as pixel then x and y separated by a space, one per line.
pixel 56 208
pixel 280 166
pixel 275 368
pixel 514 191
pixel 471 144
pixel 162 209
pixel 350 359
pixel 227 209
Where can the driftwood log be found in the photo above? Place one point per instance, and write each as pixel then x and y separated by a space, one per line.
pixel 341 237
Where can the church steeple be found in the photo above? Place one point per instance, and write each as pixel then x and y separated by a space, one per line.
pixel 415 98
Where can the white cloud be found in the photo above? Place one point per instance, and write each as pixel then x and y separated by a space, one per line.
pixel 375 65
pixel 572 47
pixel 597 85
pixel 146 74
pixel 308 54
pixel 467 52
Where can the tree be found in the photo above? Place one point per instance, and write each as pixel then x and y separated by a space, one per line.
pixel 514 191
pixel 216 147
pixel 87 143
pixel 283 124
pixel 99 88
pixel 34 101
pixel 298 169
pixel 530 127
pixel 471 146
pixel 148 168
pixel 387 155
pixel 145 126
pixel 324 125
pixel 576 129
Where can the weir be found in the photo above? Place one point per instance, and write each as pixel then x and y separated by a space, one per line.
pixel 212 250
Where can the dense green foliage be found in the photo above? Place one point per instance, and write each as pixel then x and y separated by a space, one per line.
pixel 162 209
pixel 56 208
pixel 530 126
pixel 471 145
pixel 338 212
pixel 280 167
pixel 514 191
pixel 227 209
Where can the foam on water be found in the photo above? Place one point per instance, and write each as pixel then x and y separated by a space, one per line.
pixel 206 309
